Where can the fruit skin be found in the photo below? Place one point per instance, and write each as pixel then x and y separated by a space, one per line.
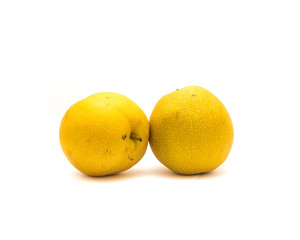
pixel 104 134
pixel 190 131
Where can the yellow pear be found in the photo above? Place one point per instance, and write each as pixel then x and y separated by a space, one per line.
pixel 190 131
pixel 103 134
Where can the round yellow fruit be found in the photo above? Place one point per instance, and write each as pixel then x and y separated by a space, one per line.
pixel 103 134
pixel 190 131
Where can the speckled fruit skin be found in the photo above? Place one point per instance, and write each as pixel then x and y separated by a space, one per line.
pixel 104 134
pixel 190 131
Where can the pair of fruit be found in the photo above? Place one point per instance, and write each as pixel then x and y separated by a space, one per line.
pixel 106 133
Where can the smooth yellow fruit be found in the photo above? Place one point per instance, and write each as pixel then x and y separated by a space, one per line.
pixel 190 131
pixel 103 134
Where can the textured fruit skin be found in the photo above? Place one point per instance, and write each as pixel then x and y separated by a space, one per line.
pixel 190 131
pixel 104 134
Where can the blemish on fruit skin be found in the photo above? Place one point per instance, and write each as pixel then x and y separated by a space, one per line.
pixel 126 151
pixel 106 150
pixel 88 140
pixel 124 137
pixel 69 153
pixel 135 138
pixel 108 97
pixel 194 95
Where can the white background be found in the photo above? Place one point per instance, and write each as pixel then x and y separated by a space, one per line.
pixel 54 53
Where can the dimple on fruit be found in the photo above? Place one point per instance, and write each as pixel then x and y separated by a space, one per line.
pixel 104 134
pixel 191 131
